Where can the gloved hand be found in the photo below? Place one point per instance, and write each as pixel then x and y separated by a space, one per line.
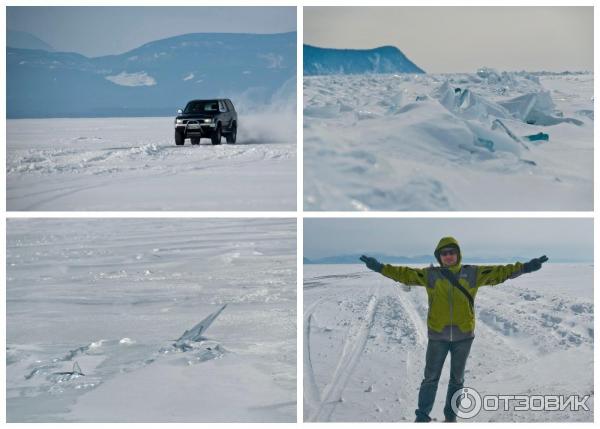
pixel 372 263
pixel 535 264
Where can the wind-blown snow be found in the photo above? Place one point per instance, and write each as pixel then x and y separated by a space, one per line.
pixel 132 79
pixel 448 142
pixel 365 339
pixel 113 295
pixel 133 164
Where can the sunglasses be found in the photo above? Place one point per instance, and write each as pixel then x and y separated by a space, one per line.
pixel 448 252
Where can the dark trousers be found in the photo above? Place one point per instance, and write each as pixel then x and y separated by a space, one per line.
pixel 434 362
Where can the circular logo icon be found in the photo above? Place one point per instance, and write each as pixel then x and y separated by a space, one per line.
pixel 466 403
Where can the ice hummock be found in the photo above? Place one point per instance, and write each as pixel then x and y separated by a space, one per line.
pixel 448 142
pixel 536 109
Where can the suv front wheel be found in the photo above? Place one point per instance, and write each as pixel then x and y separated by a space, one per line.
pixel 215 138
pixel 179 138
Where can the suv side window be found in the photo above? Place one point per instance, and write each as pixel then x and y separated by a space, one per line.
pixel 230 105
pixel 222 107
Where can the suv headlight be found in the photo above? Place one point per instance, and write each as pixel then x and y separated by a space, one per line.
pixel 179 121
pixel 208 121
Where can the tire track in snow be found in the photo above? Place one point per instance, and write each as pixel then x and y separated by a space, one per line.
pixel 56 194
pixel 312 396
pixel 420 326
pixel 71 189
pixel 414 357
pixel 351 352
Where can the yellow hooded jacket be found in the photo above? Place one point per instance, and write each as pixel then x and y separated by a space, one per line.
pixel 450 316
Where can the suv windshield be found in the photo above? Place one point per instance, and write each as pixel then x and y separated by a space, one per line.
pixel 202 106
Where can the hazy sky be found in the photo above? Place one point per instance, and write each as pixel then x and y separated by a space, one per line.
pixel 570 239
pixel 95 31
pixel 462 39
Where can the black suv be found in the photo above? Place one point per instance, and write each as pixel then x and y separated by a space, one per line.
pixel 206 118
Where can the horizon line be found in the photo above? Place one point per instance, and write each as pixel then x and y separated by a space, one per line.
pixel 140 46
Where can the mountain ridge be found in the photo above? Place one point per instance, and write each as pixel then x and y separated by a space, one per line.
pixel 26 40
pixel 383 59
pixel 153 79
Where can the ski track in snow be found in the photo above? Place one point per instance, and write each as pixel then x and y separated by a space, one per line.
pixel 408 142
pixel 372 336
pixel 133 163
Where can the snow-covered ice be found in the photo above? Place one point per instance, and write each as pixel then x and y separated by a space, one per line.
pixel 448 141
pixel 126 164
pixel 115 295
pixel 365 340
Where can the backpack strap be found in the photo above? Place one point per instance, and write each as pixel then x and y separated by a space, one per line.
pixel 454 281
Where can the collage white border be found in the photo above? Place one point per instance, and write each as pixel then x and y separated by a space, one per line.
pixel 299 214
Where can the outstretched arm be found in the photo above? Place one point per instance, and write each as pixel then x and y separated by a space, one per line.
pixel 489 275
pixel 406 275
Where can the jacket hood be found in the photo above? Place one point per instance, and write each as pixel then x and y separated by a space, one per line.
pixel 447 242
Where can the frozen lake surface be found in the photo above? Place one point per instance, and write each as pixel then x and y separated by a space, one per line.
pixel 124 164
pixel 114 295
pixel 449 142
pixel 365 340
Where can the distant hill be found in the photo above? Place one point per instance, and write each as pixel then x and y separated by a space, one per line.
pixel 24 40
pixel 410 260
pixel 354 259
pixel 155 79
pixel 386 59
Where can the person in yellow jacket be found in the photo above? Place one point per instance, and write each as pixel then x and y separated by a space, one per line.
pixel 451 290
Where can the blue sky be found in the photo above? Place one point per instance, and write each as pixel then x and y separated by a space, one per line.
pixel 96 31
pixel 560 239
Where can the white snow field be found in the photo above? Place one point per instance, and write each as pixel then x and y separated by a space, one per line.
pixel 123 164
pixel 448 142
pixel 365 339
pixel 115 297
